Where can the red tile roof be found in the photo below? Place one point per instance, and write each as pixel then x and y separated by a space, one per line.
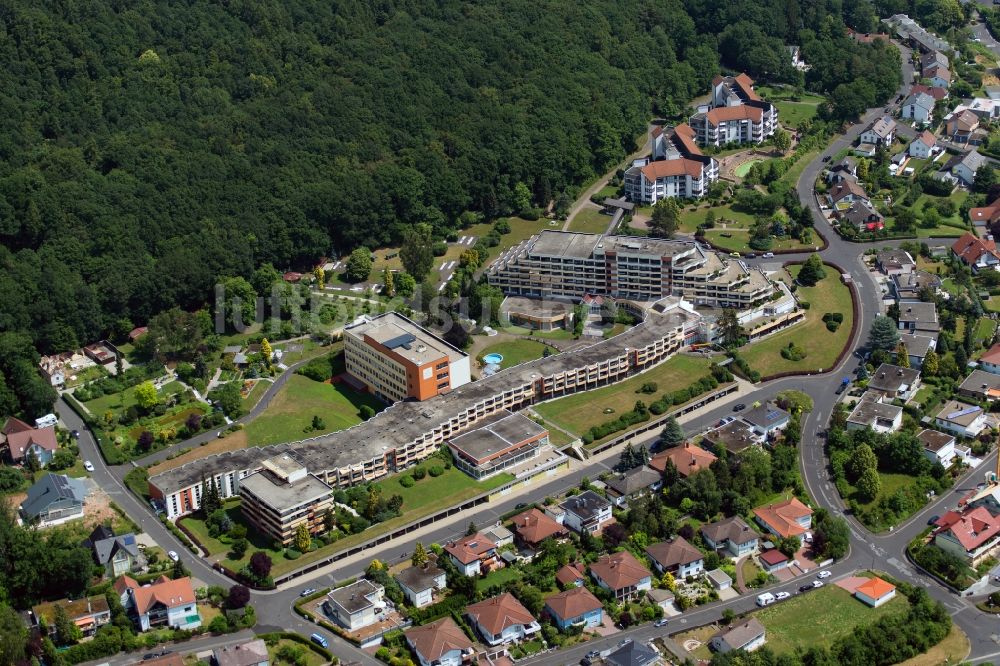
pixel 875 588
pixel 496 614
pixel 170 593
pixel 685 136
pixel 677 167
pixel 534 526
pixel 673 553
pixel 773 557
pixel 570 574
pixel 745 84
pixel 721 114
pixel 782 518
pixel 969 248
pixel 937 92
pixel 620 570
pixel 436 639
pixel 687 458
pixel 469 549
pixel 972 528
pixel 19 441
pixel 573 603
pixel 989 214
pixel 928 139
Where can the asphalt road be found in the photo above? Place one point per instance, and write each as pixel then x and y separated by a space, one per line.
pixel 884 551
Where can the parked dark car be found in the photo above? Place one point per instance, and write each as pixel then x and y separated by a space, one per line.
pixel 933 519
pixel 806 588
pixel 740 407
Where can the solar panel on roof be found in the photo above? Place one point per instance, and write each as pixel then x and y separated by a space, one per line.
pixel 772 415
pixel 399 340
pixel 962 412
pixel 129 540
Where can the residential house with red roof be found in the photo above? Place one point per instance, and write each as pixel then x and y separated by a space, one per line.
pixel 687 459
pixel 474 555
pixel 976 253
pixel 575 607
pixel 19 439
pixel 990 361
pixel 773 560
pixel 502 619
pixel 959 127
pixel 986 215
pixel 532 527
pixel 677 557
pixel 163 603
pixel 785 519
pixel 921 147
pixel 571 575
pixel 621 574
pixel 440 643
pixel 972 535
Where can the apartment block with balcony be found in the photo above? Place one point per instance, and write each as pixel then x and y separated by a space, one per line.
pixel 736 114
pixel 676 168
pixel 282 496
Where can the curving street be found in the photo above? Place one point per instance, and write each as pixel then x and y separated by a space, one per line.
pixel 881 551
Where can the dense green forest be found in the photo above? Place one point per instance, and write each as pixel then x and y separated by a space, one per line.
pixel 150 148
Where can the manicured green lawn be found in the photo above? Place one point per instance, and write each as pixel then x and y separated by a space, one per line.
pixel 690 219
pixel 992 303
pixel 555 334
pixel 821 346
pixel 743 169
pixel 820 617
pixel 590 221
pixel 516 352
pixel 292 409
pixel 738 240
pixel 985 330
pixel 795 114
pixel 792 175
pixel 119 402
pixel 579 412
pixel 309 658
pixel 499 577
pixel 452 486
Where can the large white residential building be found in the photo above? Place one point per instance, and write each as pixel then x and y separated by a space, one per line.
pixel 737 114
pixel 677 168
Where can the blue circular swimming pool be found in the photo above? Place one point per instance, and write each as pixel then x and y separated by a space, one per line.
pixel 493 358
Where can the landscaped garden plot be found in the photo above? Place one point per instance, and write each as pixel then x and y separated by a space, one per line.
pixel 821 346
pixel 516 352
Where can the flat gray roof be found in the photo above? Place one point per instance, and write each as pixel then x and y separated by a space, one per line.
pixel 499 434
pixel 867 411
pixel 404 422
pixel 406 338
pixel 583 246
pixel 282 496
pixel 354 597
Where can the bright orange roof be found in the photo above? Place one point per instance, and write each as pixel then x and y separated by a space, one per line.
pixel 783 517
pixel 993 355
pixel 666 168
pixel 170 593
pixel 687 458
pixel 742 112
pixel 875 588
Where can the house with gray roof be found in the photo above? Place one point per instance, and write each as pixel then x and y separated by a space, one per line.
pixel 118 555
pixel 53 500
pixel 747 637
pixel 632 653
pixel 965 169
pixel 918 106
pixel 893 382
pixel 917 345
pixel 981 385
pixel 907 286
pixel 633 483
pixel 919 317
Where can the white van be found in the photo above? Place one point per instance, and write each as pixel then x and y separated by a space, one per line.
pixel 45 421
pixel 765 599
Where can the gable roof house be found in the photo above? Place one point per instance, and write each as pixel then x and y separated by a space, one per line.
pixel 621 574
pixel 973 534
pixel 937 92
pixel 88 613
pixel 633 653
pixel 918 106
pixel 845 168
pixel 19 439
pixel 892 381
pixel 862 216
pixel 532 527
pixel 917 345
pixel 53 500
pixel 845 192
pixel 958 127
pixel 473 555
pixel 162 603
pixel 939 447
pixel 881 131
pixel 687 458
pixel 921 147
pixel 440 643
pixel 420 583
pixel 118 555
pixel 965 169
pixel 981 385
pixel 502 619
pixel 633 483
pixel 676 556
pixel 990 360
pixel 960 419
pixel 918 316
pixel 747 637
pixel 907 286
pixel 986 216
pixel 895 262
pixel 732 535
pixel 938 75
pixel 587 511
pixel 576 606
pixel 976 253
pixel 571 574
pixel 784 519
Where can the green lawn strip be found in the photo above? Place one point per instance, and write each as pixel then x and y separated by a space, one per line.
pixel 255 394
pixel 985 330
pixel 516 352
pixel 794 114
pixel 590 221
pixel 499 577
pixel 690 219
pixel 821 346
pixel 792 175
pixel 820 617
pixel 292 409
pixel 555 334
pixel 992 304
pixel 579 412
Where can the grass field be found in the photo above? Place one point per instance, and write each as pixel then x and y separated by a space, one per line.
pixel 743 169
pixel 590 221
pixel 890 484
pixel 735 237
pixel 255 394
pixel 578 413
pixel 292 409
pixel 792 175
pixel 517 351
pixel 820 617
pixel 690 219
pixel 500 577
pixel 821 346
pixel 554 334
pixel 738 240
pixel 792 113
pixel 308 658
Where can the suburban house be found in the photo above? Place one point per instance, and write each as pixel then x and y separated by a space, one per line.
pixel 939 447
pixel 784 519
pixel 881 132
pixel 88 613
pixel 772 560
pixel 532 527
pixel 732 536
pixel 571 575
pixel 575 607
pixel 420 583
pixel 922 317
pixel 875 592
pixel 499 535
pixel 163 603
pixel 990 360
pixel 846 192
pixel 53 500
pixel 621 574
pixel 587 511
pixel 932 59
pixel 502 619
pixel 958 127
pixel 250 653
pixel 917 346
pixel 633 653
pixel 747 637
pixel 118 555
pixel 633 483
pixel 676 556
pixel 892 382
pixel 972 535
pixel 844 169
pixel 872 412
pixel 355 606
pixel 939 76
pixel 895 262
pixel 440 643
pixel 473 555
pixel 766 419
pixel 19 439
pixel 921 147
pixel 686 458
pixel 907 287
pixel 862 216
pixel 937 92
pixel 960 419
pixel 976 253
pixel 981 385
pixel 919 106
pixel 735 436
pixel 737 114
pixel 986 216
pixel 965 169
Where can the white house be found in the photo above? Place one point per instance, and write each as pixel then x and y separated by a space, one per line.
pixel 502 619
pixel 918 106
pixel 355 606
pixel 939 447
pixel 873 413
pixel 676 556
pixel 990 361
pixel 966 168
pixel 960 419
pixel 587 511
pixel 733 536
pixel 164 603
pixel 747 637
pixel 420 583
pixel 882 131
pixel 473 554
pixel 621 574
pixel 875 591
pixel 440 643
pixel 921 147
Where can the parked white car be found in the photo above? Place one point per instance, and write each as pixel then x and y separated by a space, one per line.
pixel 823 574
pixel 782 595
